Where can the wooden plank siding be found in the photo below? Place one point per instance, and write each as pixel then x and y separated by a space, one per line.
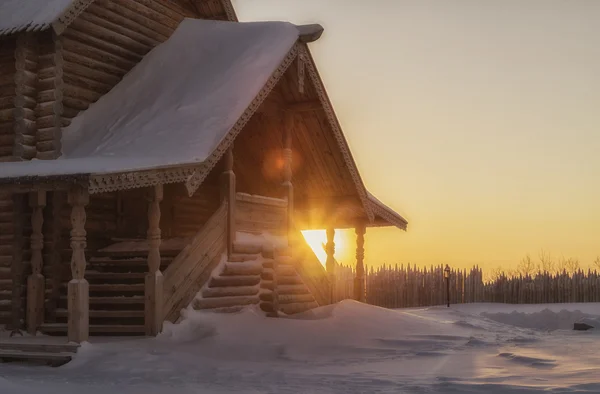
pixel 257 214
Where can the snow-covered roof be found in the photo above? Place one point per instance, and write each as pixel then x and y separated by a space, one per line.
pixel 176 106
pixel 36 15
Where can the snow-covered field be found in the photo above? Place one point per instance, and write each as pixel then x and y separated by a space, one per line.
pixel 345 348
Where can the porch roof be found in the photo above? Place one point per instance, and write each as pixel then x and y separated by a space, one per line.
pixel 176 107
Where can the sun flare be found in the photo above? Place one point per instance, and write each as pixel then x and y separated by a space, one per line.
pixel 317 240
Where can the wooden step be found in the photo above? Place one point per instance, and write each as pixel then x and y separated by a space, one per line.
pixel 290 309
pixel 117 288
pixel 292 289
pixel 125 262
pixel 54 359
pixel 290 280
pixel 223 302
pixel 57 328
pixel 247 248
pixel 295 298
pixel 5 273
pixel 67 347
pixel 226 281
pixel 229 291
pixel 114 275
pixel 241 257
pixel 6 284
pixel 113 300
pixel 239 269
pixel 285 270
pixel 104 313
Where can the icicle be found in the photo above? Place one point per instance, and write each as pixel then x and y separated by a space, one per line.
pixel 301 67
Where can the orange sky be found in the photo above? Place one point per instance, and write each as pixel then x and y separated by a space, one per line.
pixel 477 121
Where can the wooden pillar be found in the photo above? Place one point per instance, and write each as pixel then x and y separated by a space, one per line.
pixel 330 263
pixel 35 281
pixel 228 194
pixel 78 288
pixel 359 281
pixel 153 284
pixel 287 172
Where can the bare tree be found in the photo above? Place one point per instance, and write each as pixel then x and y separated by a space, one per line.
pixel 526 266
pixel 546 262
pixel 569 265
pixel 597 263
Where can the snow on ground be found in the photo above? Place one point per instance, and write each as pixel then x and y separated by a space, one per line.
pixel 344 348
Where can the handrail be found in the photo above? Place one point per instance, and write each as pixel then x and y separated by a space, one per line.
pixel 310 268
pixel 193 265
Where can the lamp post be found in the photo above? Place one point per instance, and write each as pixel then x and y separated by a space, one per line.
pixel 447 277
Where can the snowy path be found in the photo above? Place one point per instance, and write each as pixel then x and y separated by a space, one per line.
pixel 348 348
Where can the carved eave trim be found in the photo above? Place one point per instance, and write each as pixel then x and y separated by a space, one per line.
pixel 198 177
pixel 229 10
pixel 59 25
pixel 337 129
pixel 69 15
pixel 101 183
pixel 387 214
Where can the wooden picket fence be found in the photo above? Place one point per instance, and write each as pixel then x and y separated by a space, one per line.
pixel 404 287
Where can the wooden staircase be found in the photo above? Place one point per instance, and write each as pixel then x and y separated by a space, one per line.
pixel 255 276
pixel 116 285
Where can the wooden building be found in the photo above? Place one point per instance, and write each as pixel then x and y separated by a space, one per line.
pixel 158 153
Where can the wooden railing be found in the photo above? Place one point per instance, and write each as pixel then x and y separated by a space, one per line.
pixel 193 266
pixel 257 214
pixel 310 269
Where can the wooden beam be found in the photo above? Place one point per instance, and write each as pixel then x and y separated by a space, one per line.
pixel 228 194
pixel 288 130
pixel 36 281
pixel 153 284
pixel 78 287
pixel 330 263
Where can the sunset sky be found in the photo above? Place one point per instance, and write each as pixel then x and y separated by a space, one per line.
pixel 479 121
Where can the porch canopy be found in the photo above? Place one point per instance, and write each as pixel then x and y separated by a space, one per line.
pixel 174 114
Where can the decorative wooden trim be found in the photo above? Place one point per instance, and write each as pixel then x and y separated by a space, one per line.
pixel 387 214
pixel 59 25
pixel 36 281
pixel 198 177
pixel 153 285
pixel 69 15
pixel 336 128
pixel 229 10
pixel 359 282
pixel 78 287
pixel 130 180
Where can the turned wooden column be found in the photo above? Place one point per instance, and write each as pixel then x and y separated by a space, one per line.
pixel 330 262
pixel 35 281
pixel 287 172
pixel 153 284
pixel 228 194
pixel 78 288
pixel 359 281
